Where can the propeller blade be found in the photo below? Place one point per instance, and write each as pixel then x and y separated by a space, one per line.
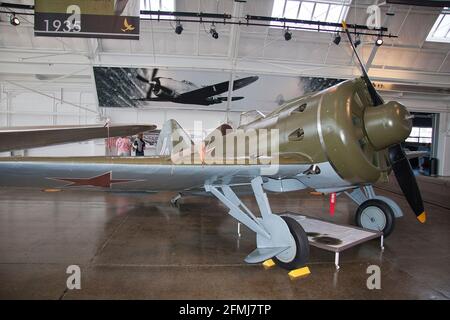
pixel 141 78
pixel 376 98
pixel 154 73
pixel 397 158
pixel 407 181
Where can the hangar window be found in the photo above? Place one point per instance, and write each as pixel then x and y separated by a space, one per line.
pixel 420 135
pixel 441 28
pixel 157 5
pixel 317 10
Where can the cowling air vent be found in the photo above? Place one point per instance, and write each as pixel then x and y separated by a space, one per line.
pixel 297 135
pixel 300 108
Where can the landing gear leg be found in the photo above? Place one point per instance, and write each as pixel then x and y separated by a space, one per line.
pixel 276 237
pixel 374 212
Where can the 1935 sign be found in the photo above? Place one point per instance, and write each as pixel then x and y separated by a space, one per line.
pixel 116 19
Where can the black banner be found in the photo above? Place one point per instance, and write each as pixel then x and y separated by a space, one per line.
pixel 422 3
pixel 116 19
pixel 91 26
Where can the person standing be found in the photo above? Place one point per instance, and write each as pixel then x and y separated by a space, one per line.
pixel 123 145
pixel 139 145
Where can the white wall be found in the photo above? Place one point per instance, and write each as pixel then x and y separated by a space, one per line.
pixel 55 104
pixel 186 118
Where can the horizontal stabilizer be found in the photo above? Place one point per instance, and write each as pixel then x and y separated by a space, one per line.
pixel 17 138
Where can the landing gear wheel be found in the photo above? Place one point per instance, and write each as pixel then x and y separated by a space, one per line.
pixel 301 247
pixel 377 215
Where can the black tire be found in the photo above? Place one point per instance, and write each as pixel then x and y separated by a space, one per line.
pixel 384 207
pixel 301 243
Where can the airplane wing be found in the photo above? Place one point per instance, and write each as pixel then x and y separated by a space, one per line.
pixel 17 138
pixel 216 89
pixel 232 98
pixel 149 174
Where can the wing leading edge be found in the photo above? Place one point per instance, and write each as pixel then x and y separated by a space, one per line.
pixel 32 137
pixel 217 89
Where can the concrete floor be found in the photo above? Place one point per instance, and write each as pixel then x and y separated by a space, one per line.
pixel 137 246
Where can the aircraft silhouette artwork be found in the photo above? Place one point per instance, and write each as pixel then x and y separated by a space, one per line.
pixel 186 92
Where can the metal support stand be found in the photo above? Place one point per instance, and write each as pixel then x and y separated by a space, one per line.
pixel 175 199
pixel 239 229
pixel 336 260
pixel 382 243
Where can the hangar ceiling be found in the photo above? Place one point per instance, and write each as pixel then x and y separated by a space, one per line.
pixel 260 50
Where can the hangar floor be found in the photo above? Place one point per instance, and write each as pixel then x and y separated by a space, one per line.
pixel 134 246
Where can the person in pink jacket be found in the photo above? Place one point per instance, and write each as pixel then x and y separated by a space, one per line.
pixel 123 145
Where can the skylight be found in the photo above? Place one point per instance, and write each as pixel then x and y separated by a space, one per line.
pixel 317 10
pixel 441 29
pixel 157 5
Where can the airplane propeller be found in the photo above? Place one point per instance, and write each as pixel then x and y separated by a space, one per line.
pixel 153 82
pixel 397 158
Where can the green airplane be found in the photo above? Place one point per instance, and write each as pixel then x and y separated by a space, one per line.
pixel 337 141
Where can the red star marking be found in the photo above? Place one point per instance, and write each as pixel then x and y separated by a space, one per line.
pixel 104 180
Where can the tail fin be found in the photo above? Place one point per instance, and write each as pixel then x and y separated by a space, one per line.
pixel 171 135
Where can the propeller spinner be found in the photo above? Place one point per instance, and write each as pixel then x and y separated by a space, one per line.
pixel 386 125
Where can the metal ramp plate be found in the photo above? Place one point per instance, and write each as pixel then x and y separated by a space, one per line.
pixel 331 236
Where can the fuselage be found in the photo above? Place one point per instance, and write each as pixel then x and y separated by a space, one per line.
pixel 322 143
pixel 171 88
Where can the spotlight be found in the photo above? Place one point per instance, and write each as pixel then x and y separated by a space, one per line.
pixel 178 28
pixel 379 41
pixel 287 35
pixel 14 20
pixel 357 41
pixel 213 32
pixel 337 39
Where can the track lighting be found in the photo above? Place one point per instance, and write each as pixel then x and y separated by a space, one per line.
pixel 337 39
pixel 379 41
pixel 14 20
pixel 213 32
pixel 178 28
pixel 287 35
pixel 357 41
